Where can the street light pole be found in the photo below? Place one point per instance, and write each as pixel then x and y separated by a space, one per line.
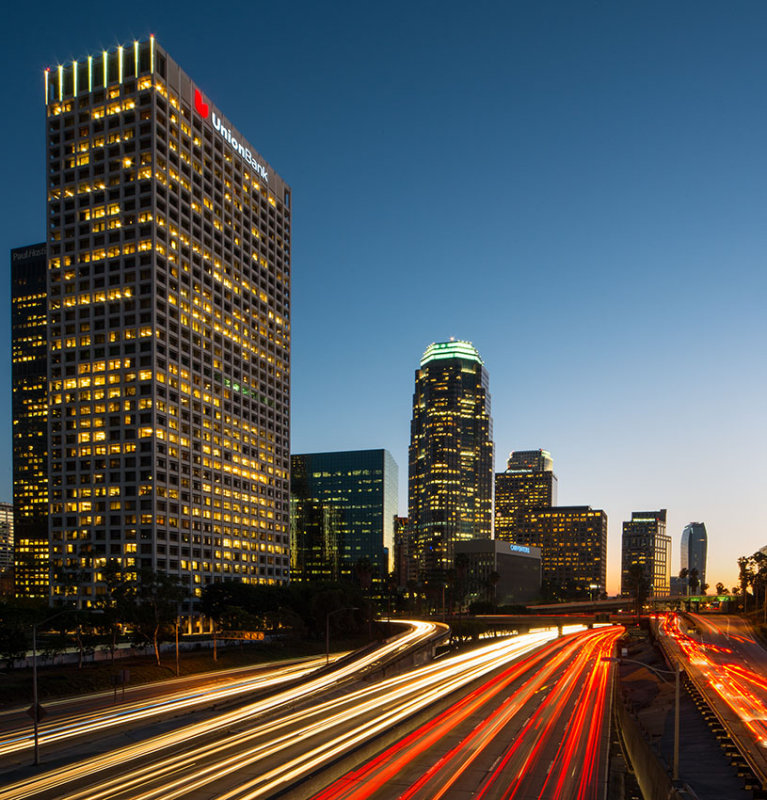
pixel 34 692
pixel 35 705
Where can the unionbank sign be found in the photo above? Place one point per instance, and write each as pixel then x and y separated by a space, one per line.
pixel 203 109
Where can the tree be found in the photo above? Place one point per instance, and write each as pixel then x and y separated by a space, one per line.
pixel 13 642
pixel 720 588
pixel 460 578
pixel 637 585
pixel 693 580
pixel 116 604
pixel 492 583
pixel 157 600
pixel 746 576
pixel 684 574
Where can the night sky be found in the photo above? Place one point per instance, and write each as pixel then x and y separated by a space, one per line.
pixel 578 188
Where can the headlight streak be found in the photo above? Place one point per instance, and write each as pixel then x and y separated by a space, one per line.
pixel 739 687
pixel 396 698
pixel 438 779
pixel 418 631
pixel 136 711
pixel 528 744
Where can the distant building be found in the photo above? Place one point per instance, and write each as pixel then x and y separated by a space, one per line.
pixel 678 586
pixel 498 572
pixel 530 461
pixel 528 482
pixel 29 380
pixel 403 532
pixel 573 543
pixel 694 550
pixel 450 481
pixel 343 506
pixel 6 538
pixel 646 544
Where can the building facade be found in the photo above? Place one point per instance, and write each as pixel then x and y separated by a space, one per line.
pixel 498 572
pixel 450 481
pixel 694 550
pixel 646 552
pixel 528 482
pixel 343 506
pixel 29 379
pixel 401 569
pixel 168 283
pixel 573 544
pixel 6 539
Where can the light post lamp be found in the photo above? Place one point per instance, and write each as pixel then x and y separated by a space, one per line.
pixel 675 673
pixel 327 629
pixel 35 706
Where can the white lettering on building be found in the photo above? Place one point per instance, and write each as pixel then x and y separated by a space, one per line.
pixel 239 147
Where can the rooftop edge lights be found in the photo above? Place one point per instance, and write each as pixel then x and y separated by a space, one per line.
pixel 453 349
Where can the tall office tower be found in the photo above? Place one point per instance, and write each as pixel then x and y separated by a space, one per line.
pixel 646 544
pixel 29 378
pixel 450 485
pixel 694 549
pixel 6 538
pixel 529 482
pixel 342 515
pixel 169 331
pixel 573 542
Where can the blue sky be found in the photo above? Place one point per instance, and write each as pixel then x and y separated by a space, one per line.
pixel 578 188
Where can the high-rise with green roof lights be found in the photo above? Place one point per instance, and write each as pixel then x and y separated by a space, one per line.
pixel 450 486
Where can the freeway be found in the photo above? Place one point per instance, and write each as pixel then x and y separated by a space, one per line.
pixel 729 667
pixel 268 746
pixel 96 713
pixel 536 729
pixel 145 709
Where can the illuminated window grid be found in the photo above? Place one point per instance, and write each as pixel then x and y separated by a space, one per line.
pixel 573 542
pixel 450 455
pixel 169 283
pixel 645 542
pixel 29 410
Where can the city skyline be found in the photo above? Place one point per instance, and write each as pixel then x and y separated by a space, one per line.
pixel 613 278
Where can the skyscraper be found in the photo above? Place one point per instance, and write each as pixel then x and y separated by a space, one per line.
pixel 168 250
pixel 646 546
pixel 29 379
pixel 528 482
pixel 343 506
pixel 573 543
pixel 450 482
pixel 694 549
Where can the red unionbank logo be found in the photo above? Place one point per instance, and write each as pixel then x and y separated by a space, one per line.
pixel 200 105
pixel 203 109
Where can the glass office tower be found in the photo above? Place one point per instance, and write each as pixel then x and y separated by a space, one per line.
pixel 29 373
pixel 343 506
pixel 694 549
pixel 168 249
pixel 645 543
pixel 450 488
pixel 528 483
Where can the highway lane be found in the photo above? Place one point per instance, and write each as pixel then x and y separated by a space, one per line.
pixel 99 723
pixel 729 667
pixel 536 729
pixel 261 749
pixel 96 713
